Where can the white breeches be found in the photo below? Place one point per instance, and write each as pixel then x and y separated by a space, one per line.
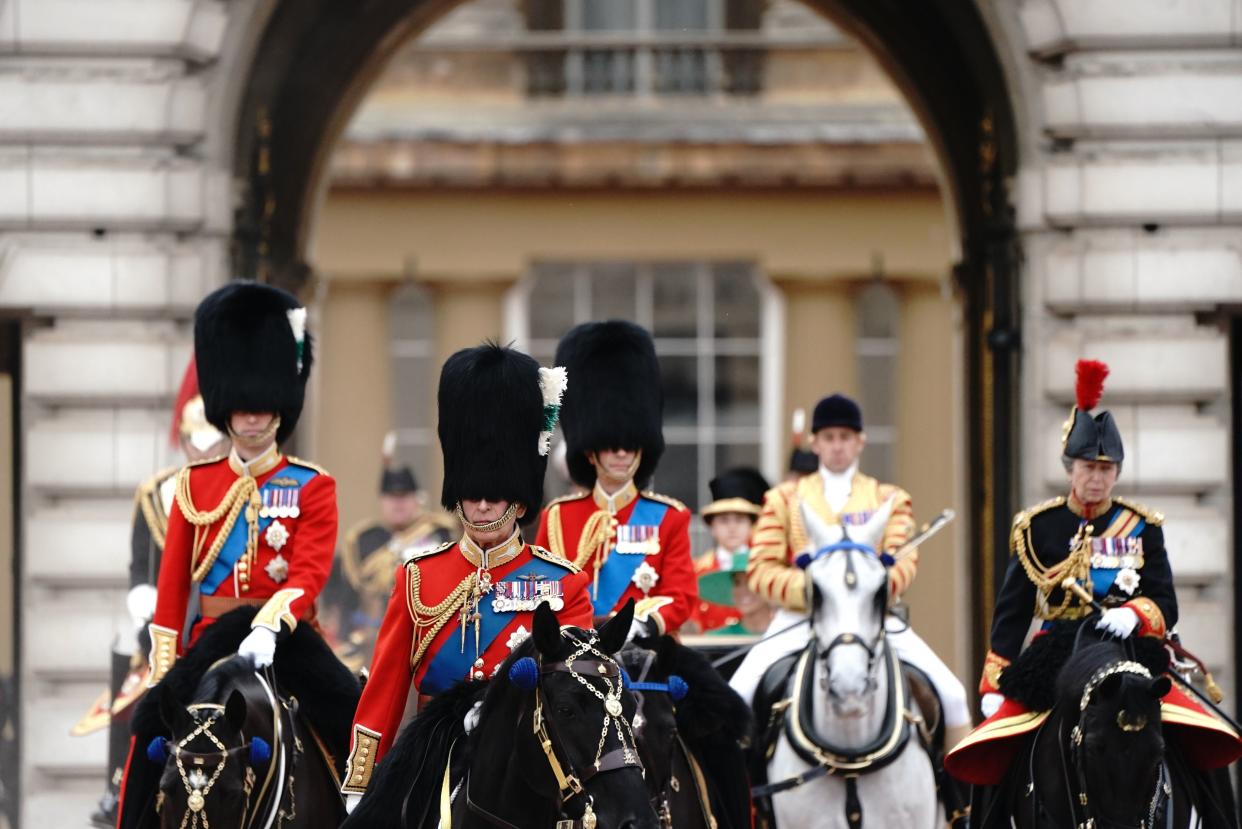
pixel 909 646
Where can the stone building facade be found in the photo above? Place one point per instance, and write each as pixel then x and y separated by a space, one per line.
pixel 124 146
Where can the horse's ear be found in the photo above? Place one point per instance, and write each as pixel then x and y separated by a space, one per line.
pixel 172 712
pixel 235 710
pixel 613 633
pixel 1160 686
pixel 547 632
pixel 1109 687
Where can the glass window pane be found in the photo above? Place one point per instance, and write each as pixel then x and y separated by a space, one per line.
pixel 551 302
pixel 876 376
pixel 737 391
pixel 678 474
pixel 680 14
pixel 413 391
pixel 413 314
pixel 675 300
pixel 681 390
pixel 613 292
pixel 730 455
pixel 609 15
pixel 681 71
pixel 737 301
pixel 877 460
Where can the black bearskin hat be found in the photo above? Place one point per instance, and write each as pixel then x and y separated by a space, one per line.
pixel 614 399
pixel 836 410
pixel 249 358
pixel 1091 438
pixel 736 490
pixel 491 420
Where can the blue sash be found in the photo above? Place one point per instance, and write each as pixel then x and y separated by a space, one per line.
pixel 235 545
pixel 616 574
pixel 452 663
pixel 1102 580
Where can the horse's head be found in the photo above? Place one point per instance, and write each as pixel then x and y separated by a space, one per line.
pixel 583 754
pixel 1111 706
pixel 849 595
pixel 210 767
pixel 655 722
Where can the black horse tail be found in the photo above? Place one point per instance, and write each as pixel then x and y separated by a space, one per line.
pixel 405 791
pixel 714 722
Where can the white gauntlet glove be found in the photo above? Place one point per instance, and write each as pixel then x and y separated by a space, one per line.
pixel 140 603
pixel 1119 621
pixel 471 721
pixel 259 647
pixel 990 703
pixel 351 803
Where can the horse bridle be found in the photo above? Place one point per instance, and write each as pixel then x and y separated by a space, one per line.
pixel 1079 803
pixel 571 782
pixel 875 648
pixel 197 785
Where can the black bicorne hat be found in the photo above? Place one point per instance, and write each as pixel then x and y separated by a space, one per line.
pixel 491 421
pixel 253 354
pixel 398 481
pixel 836 410
pixel 1091 438
pixel 614 399
pixel 736 490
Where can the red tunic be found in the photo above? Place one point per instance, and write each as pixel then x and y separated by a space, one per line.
pixel 561 527
pixel 307 549
pixel 710 615
pixel 401 660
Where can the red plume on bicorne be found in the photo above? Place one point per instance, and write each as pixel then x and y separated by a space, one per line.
pixel 1090 385
pixel 188 390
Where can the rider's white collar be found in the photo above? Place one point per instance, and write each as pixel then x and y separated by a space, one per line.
pixel 837 486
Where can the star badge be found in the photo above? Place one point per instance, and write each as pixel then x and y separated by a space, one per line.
pixel 645 577
pixel 278 569
pixel 276 535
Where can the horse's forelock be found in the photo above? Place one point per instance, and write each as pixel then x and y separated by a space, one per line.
pixel 1082 665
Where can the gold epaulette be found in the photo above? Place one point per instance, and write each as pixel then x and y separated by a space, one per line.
pixel 1151 516
pixel 565 499
pixel 351 557
pixel 1023 519
pixel 429 552
pixel 151 484
pixel 206 461
pixel 549 556
pixel 665 499
pixel 147 502
pixel 308 465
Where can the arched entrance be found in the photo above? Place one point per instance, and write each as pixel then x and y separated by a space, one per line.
pixel 941 54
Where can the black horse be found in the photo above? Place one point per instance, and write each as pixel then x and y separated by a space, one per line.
pixel 216 744
pixel 690 726
pixel 553 745
pixel 1100 755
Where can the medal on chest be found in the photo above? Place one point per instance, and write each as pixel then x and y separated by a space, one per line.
pixel 281 499
pixel 638 539
pixel 526 593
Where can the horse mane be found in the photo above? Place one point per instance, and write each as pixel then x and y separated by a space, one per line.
pixel 1082 666
pixel 413 767
pixel 1032 679
pixel 222 676
pixel 713 722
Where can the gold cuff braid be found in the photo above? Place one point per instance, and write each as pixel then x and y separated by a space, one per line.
pixel 163 652
pixel 361 762
pixel 278 609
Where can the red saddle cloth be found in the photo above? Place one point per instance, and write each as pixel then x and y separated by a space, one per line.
pixel 984 756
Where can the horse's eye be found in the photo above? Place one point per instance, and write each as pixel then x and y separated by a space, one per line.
pixel 564 711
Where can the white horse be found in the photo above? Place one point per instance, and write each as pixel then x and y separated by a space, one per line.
pixel 849 710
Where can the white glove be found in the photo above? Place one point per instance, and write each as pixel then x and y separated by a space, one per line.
pixel 471 720
pixel 639 628
pixel 990 703
pixel 1119 621
pixel 259 647
pixel 140 602
pixel 351 803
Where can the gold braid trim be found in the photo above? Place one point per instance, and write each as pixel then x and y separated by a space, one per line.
pixel 429 620
pixel 556 533
pixel 147 499
pixel 1046 579
pixel 594 537
pixel 243 493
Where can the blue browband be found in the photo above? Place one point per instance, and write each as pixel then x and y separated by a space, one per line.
pixel 804 559
pixel 674 686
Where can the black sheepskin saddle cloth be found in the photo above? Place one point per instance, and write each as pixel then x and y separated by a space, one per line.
pixel 1032 678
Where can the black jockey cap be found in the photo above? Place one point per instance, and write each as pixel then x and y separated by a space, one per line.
pixel 398 481
pixel 614 399
pixel 736 490
pixel 1088 437
pixel 836 410
pixel 253 354
pixel 492 421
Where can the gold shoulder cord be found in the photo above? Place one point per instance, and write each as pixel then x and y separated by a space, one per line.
pixel 148 500
pixel 1077 565
pixel 243 493
pixel 556 533
pixel 429 620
